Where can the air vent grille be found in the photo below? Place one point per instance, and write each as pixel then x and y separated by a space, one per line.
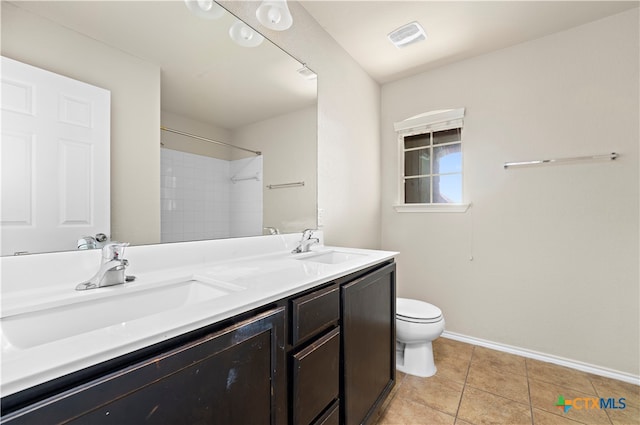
pixel 407 34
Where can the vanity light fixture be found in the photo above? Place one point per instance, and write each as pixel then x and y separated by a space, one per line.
pixel 244 35
pixel 275 15
pixel 407 34
pixel 206 9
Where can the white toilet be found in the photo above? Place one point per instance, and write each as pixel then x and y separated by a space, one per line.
pixel 417 324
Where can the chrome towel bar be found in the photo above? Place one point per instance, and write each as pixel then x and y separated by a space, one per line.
pixel 255 176
pixel 285 185
pixel 610 156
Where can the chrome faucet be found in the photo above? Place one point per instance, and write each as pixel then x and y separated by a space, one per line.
pixel 111 270
pixel 306 241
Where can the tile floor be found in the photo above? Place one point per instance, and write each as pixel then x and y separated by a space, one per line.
pixel 476 385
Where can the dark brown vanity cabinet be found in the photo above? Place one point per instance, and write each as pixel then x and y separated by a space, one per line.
pixel 315 357
pixel 368 338
pixel 234 376
pixel 324 357
pixel 344 374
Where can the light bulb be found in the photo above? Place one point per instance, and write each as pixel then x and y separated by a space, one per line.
pixel 274 15
pixel 205 9
pixel 205 5
pixel 244 35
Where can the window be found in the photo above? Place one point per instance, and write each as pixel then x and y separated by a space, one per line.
pixel 430 148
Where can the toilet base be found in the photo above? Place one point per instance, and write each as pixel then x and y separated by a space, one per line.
pixel 416 359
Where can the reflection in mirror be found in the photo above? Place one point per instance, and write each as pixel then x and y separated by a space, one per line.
pixel 165 66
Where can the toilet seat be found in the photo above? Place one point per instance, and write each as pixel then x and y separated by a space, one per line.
pixel 418 324
pixel 415 311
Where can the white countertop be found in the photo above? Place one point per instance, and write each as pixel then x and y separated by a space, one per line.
pixel 268 274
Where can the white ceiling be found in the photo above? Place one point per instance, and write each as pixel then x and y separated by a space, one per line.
pixel 456 30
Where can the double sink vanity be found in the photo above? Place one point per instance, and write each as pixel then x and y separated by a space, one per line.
pixel 228 331
pixel 237 331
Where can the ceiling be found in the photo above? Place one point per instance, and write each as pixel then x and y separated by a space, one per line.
pixel 456 30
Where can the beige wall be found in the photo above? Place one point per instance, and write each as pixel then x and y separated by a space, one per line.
pixel 135 112
pixel 555 248
pixel 348 128
pixel 187 144
pixel 288 146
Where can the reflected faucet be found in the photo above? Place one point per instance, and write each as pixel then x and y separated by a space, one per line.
pixel 87 242
pixel 272 230
pixel 90 242
pixel 306 241
pixel 111 270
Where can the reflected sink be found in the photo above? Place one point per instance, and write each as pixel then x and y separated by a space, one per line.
pixel 331 257
pixel 31 329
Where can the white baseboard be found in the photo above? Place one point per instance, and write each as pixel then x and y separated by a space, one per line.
pixel 573 364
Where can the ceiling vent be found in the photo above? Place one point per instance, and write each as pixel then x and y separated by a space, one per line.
pixel 407 34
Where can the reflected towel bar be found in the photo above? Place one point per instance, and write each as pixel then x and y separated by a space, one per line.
pixel 610 156
pixel 284 185
pixel 182 133
pixel 256 176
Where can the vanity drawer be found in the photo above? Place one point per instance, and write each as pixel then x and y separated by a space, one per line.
pixel 314 312
pixel 316 378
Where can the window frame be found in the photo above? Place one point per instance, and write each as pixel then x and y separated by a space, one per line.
pixel 430 122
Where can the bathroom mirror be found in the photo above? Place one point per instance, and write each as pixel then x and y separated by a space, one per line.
pixel 166 66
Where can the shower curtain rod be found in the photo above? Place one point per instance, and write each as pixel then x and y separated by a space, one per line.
pixel 171 130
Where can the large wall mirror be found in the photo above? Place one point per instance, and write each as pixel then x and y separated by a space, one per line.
pixel 173 75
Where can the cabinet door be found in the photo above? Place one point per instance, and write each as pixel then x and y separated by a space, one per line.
pixel 234 376
pixel 368 329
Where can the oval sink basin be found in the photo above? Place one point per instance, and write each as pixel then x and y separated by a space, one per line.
pixel 331 257
pixel 38 327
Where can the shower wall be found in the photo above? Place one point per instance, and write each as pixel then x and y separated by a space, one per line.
pixel 200 201
pixel 245 203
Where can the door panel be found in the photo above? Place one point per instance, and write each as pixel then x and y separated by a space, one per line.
pixel 55 160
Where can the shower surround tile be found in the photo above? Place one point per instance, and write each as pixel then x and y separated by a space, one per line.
pixel 199 199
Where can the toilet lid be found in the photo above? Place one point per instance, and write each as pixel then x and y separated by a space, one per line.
pixel 416 310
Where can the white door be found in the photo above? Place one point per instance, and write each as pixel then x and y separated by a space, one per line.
pixel 55 151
